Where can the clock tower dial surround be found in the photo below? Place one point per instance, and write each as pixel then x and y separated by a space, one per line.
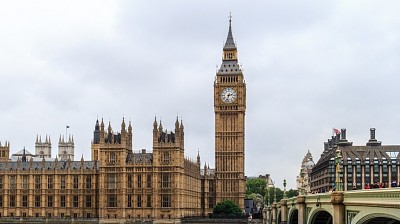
pixel 230 108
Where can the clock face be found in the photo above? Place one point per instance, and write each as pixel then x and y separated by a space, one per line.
pixel 228 95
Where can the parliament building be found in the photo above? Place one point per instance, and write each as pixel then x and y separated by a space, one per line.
pixel 120 183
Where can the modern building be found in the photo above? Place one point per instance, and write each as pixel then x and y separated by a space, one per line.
pixel 360 165
pixel 119 183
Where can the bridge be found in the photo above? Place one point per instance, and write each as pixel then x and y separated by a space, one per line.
pixel 374 206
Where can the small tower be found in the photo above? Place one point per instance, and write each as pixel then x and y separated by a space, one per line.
pixel 4 152
pixel 66 148
pixel 168 145
pixel 43 148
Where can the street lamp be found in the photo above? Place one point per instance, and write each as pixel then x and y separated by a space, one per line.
pixel 273 183
pixel 338 159
pixel 284 189
pixel 267 193
pixel 267 187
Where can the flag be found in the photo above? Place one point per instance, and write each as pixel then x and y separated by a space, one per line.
pixel 67 126
pixel 336 131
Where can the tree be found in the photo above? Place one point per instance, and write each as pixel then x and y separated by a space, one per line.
pixel 292 193
pixel 255 186
pixel 227 208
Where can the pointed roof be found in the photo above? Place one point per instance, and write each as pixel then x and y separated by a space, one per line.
pixel 230 43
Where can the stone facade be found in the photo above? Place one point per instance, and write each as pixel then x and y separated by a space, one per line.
pixel 230 108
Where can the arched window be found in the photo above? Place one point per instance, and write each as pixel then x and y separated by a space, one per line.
pixel 112 158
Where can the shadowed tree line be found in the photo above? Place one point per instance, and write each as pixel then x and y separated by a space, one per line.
pixel 256 190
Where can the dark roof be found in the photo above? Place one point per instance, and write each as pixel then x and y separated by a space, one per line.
pixel 50 165
pixel 362 153
pixel 140 158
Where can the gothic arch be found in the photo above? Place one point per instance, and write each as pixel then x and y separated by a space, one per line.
pixel 320 216
pixel 378 218
pixel 278 216
pixel 293 216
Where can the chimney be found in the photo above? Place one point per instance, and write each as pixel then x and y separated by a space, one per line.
pixel 343 140
pixel 372 134
pixel 326 146
pixel 343 134
pixel 143 151
pixel 372 140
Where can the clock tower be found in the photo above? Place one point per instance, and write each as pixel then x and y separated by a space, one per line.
pixel 230 108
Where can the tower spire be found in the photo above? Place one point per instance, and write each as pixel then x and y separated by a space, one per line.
pixel 230 43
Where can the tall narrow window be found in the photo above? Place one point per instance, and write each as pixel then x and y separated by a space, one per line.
pixel 139 201
pixel 165 200
pixel 129 180
pixel 76 201
pixel 88 201
pixel 165 180
pixel 1 182
pixel 12 201
pixel 148 180
pixel 50 201
pixel 62 201
pixel 88 182
pixel 25 182
pixel 62 181
pixel 50 182
pixel 139 181
pixel 37 183
pixel 13 182
pixel 25 201
pixel 76 182
pixel 112 181
pixel 37 201
pixel 149 200
pixel 129 205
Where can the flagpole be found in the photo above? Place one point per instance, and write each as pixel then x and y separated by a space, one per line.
pixel 66 132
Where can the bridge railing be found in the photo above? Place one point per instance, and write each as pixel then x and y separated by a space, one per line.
pixel 385 197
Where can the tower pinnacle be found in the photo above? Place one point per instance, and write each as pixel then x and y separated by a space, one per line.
pixel 230 43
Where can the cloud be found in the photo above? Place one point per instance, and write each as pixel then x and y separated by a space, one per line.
pixel 308 66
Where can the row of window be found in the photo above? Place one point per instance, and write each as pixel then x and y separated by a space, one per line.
pixel 112 201
pixel 50 202
pixel 50 182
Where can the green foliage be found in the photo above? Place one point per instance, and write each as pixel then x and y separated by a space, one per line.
pixel 292 193
pixel 255 186
pixel 227 208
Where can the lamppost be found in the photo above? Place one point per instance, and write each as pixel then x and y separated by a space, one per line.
pixel 338 159
pixel 266 194
pixel 273 184
pixel 284 189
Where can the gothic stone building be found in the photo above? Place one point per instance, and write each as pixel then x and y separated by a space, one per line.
pixel 360 165
pixel 119 183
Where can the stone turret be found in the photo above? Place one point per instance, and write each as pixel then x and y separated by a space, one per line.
pixel 4 151
pixel 66 148
pixel 43 148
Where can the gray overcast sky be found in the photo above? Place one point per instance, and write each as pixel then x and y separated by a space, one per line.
pixel 309 66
